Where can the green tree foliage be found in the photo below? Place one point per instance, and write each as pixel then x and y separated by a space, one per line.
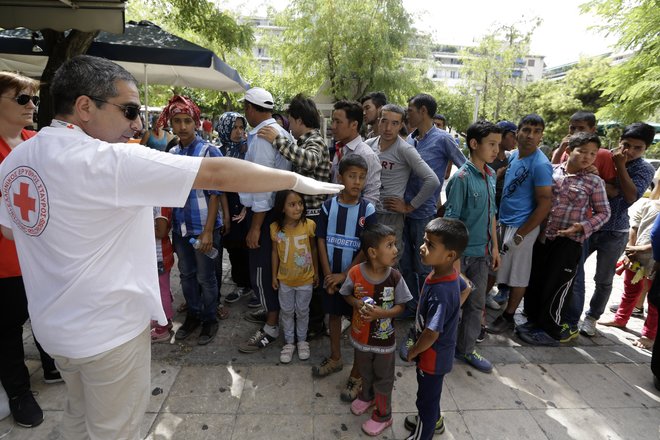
pixel 201 22
pixel 556 101
pixel 456 106
pixel 497 65
pixel 356 46
pixel 632 88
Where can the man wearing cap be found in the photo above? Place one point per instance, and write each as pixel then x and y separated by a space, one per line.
pixel 78 202
pixel 198 219
pixel 499 165
pixel 258 108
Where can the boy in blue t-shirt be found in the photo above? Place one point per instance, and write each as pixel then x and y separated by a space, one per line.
pixel 436 322
pixel 340 224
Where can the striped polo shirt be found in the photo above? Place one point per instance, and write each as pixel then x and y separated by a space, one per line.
pixel 341 226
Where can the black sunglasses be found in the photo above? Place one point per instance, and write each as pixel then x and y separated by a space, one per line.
pixel 24 99
pixel 131 111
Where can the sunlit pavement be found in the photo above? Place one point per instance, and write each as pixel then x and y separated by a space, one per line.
pixel 591 388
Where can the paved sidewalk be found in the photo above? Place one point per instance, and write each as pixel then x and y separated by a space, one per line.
pixel 598 388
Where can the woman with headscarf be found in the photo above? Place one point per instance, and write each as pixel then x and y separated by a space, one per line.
pixel 231 131
pixel 18 102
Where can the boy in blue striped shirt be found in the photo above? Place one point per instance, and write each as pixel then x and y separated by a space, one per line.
pixel 340 225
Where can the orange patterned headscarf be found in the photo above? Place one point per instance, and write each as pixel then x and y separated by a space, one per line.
pixel 178 105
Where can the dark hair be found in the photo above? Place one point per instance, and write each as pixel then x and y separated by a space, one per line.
pixel 259 108
pixel 372 235
pixel 353 110
pixel 424 100
pixel 302 107
pixel 584 116
pixel 480 130
pixel 639 130
pixel 583 138
pixel 393 108
pixel 352 160
pixel 441 117
pixel 280 202
pixel 452 232
pixel 89 76
pixel 378 98
pixel 531 119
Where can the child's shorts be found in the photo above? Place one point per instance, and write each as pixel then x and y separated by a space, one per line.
pixel 336 304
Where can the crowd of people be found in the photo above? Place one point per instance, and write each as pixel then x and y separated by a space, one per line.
pixel 380 247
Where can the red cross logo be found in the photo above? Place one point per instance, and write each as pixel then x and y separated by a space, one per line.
pixel 24 202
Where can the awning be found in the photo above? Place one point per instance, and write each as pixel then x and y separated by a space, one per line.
pixel 62 15
pixel 145 50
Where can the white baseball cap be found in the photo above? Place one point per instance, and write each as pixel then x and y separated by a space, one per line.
pixel 260 97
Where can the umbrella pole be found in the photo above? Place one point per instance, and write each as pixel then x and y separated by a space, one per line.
pixel 146 98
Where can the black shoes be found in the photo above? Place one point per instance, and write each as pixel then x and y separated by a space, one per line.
pixel 209 330
pixel 52 376
pixel 25 410
pixel 189 326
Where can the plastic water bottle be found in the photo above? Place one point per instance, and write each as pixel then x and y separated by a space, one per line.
pixel 212 254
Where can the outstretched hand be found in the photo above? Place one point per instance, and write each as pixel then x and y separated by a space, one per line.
pixel 307 185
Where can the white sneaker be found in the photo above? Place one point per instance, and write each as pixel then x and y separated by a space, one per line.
pixel 303 350
pixel 492 304
pixel 287 353
pixel 588 326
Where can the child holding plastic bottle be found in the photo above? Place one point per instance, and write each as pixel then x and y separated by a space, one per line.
pixel 378 294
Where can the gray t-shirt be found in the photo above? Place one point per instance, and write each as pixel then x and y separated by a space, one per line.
pixel 398 162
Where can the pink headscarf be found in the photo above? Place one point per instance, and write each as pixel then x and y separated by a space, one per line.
pixel 177 105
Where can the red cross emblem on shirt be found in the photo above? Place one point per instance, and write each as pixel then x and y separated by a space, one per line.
pixel 24 202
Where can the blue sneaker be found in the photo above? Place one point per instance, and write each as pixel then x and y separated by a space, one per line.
pixel 539 338
pixel 476 360
pixel 502 295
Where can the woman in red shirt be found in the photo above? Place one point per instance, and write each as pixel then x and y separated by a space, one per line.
pixel 18 102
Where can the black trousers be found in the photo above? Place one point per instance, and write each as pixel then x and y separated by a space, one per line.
pixel 554 266
pixel 14 375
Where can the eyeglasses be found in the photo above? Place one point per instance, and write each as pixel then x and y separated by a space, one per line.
pixel 131 111
pixel 24 99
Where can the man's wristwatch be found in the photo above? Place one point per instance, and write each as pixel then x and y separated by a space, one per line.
pixel 517 239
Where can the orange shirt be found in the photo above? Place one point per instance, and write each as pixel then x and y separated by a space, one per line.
pixel 9 266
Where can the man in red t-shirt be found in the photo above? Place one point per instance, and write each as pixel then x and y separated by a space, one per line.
pixel 586 122
pixel 207 128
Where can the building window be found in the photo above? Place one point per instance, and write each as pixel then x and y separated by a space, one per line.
pixel 454 74
pixel 530 63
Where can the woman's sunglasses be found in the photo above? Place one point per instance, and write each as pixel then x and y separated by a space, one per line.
pixel 131 112
pixel 24 99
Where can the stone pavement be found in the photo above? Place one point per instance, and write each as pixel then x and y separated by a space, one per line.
pixel 599 388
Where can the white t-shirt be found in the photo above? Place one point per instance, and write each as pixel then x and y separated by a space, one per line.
pixel 81 211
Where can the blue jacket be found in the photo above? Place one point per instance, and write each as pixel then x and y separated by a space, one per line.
pixel 471 199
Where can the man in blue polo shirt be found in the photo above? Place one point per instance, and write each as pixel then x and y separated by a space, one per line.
pixel 437 148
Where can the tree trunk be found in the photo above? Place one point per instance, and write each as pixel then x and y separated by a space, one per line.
pixel 60 48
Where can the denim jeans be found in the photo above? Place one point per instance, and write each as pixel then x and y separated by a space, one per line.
pixel 198 282
pixel 414 272
pixel 609 245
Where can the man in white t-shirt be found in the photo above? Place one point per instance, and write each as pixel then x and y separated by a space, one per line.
pixel 78 202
